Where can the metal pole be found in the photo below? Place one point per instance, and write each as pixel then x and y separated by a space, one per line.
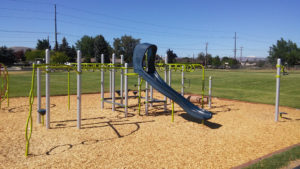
pixel 79 89
pixel 68 89
pixel 102 82
pixel 170 76
pixel 38 92
pixel 47 90
pixel 139 89
pixel 278 66
pixel 151 95
pixel 166 74
pixel 146 98
pixel 182 81
pixel 113 84
pixel 209 92
pixel 126 90
pixel 110 81
pixel 121 80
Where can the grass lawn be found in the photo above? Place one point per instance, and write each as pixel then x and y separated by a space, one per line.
pixel 278 160
pixel 245 85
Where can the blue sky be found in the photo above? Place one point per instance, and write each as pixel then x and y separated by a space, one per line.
pixel 183 26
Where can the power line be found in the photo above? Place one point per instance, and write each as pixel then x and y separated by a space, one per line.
pixel 26 10
pixel 18 31
pixel 24 17
pixel 234 45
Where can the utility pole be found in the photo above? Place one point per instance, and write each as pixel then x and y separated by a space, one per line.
pixel 48 42
pixel 241 53
pixel 56 44
pixel 234 45
pixel 206 53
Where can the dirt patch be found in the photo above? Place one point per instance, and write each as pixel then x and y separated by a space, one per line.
pixel 238 132
pixel 293 165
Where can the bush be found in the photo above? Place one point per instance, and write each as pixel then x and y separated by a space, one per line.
pixel 34 54
pixel 59 58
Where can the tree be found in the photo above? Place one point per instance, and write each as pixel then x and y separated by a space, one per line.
pixel 233 63
pixel 201 58
pixel 7 56
pixel 64 46
pixel 171 56
pixel 69 51
pixel 287 51
pixel 216 62
pixel 101 46
pixel 20 56
pixel 209 59
pixel 72 54
pixel 43 44
pixel 125 46
pixel 86 45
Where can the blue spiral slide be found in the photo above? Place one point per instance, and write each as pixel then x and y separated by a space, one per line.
pixel 144 56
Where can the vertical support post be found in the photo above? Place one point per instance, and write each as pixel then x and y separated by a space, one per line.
pixel 139 82
pixel 278 66
pixel 182 80
pixel 68 89
pixel 203 87
pixel 47 90
pixel 166 74
pixel 102 82
pixel 122 78
pixel 126 89
pixel 113 84
pixel 172 110
pixel 209 92
pixel 170 79
pixel 110 80
pixel 38 91
pixel 151 95
pixel 146 97
pixel 79 89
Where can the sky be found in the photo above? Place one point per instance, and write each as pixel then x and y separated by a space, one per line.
pixel 184 26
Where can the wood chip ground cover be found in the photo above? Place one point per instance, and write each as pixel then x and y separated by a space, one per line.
pixel 237 133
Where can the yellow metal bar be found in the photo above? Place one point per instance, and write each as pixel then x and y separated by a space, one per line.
pixel 140 89
pixel 131 74
pixel 29 119
pixel 172 110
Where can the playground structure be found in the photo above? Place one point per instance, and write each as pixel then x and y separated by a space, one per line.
pixel 111 67
pixel 4 84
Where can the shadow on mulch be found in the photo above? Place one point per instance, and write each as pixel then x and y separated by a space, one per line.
pixel 111 124
pixel 209 124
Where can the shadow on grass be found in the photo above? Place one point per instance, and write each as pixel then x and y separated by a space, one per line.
pixel 209 124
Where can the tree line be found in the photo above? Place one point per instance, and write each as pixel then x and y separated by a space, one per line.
pixel 93 47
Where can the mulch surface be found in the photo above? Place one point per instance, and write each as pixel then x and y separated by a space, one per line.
pixel 238 133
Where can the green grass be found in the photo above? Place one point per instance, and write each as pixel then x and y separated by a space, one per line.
pixel 278 160
pixel 245 85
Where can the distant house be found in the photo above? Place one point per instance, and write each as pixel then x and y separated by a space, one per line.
pixel 20 48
